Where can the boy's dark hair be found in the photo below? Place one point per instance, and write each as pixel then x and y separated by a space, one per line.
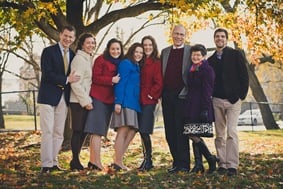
pixel 221 30
pixel 69 28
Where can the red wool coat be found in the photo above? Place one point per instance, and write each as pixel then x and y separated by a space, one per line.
pixel 151 81
pixel 102 87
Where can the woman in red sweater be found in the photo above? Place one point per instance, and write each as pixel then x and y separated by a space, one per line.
pixel 104 77
pixel 151 87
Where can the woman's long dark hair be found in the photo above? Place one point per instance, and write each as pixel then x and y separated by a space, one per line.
pixel 131 51
pixel 106 53
pixel 155 53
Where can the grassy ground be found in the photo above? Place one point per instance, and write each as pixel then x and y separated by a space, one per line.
pixel 21 122
pixel 261 157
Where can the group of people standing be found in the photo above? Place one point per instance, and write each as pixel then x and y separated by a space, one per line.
pixel 121 92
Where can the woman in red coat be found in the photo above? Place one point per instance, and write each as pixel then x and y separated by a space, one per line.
pixel 151 87
pixel 104 77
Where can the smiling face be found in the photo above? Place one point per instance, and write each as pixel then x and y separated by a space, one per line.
pixel 197 57
pixel 89 45
pixel 138 54
pixel 178 36
pixel 220 40
pixel 148 47
pixel 115 50
pixel 67 38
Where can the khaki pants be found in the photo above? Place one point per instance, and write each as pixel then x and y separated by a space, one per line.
pixel 52 124
pixel 226 141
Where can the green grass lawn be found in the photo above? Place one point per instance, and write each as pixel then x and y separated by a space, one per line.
pixel 21 122
pixel 261 165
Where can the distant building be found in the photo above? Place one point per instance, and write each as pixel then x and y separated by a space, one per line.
pixel 28 78
pixel 14 108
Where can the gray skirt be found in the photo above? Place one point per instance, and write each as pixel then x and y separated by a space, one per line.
pixel 127 117
pixel 98 118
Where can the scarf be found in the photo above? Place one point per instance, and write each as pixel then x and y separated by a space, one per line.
pixel 195 67
pixel 115 61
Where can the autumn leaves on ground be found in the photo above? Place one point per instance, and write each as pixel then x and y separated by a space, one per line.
pixel 261 155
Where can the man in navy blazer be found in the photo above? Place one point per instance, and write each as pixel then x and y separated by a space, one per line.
pixel 53 97
pixel 175 64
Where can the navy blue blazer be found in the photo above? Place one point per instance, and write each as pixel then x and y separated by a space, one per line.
pixel 53 78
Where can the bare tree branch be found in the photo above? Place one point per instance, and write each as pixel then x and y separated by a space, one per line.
pixel 113 16
pixel 104 36
pixel 143 26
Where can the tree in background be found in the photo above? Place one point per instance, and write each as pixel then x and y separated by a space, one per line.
pixel 4 35
pixel 95 16
pixel 256 29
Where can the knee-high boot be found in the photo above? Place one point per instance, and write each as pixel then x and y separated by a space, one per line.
pixel 147 165
pixel 143 151
pixel 211 159
pixel 198 159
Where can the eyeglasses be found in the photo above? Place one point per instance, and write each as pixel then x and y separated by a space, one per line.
pixel 179 34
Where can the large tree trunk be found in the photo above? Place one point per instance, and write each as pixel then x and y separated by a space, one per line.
pixel 258 93
pixel 2 121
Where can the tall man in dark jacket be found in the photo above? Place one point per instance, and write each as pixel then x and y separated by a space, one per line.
pixel 53 97
pixel 231 86
pixel 175 64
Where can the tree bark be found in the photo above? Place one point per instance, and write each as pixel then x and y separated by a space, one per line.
pixel 2 122
pixel 258 93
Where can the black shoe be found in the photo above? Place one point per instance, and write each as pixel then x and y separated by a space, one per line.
pixel 198 168
pixel 45 170
pixel 212 160
pixel 170 169
pixel 93 166
pixel 117 167
pixel 146 166
pixel 142 165
pixel 178 170
pixel 57 168
pixel 75 165
pixel 221 171
pixel 232 172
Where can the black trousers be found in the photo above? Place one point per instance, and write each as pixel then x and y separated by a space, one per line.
pixel 173 116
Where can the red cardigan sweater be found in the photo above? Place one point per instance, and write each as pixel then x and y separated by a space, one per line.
pixel 151 81
pixel 102 87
